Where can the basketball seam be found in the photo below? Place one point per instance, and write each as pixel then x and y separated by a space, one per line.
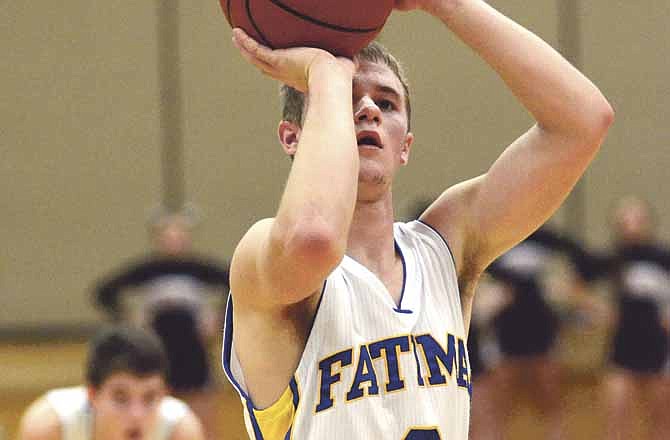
pixel 228 16
pixel 253 23
pixel 323 23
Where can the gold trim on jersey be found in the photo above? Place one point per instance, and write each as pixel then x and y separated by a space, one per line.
pixel 275 420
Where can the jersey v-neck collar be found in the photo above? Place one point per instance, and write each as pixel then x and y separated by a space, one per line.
pixel 405 303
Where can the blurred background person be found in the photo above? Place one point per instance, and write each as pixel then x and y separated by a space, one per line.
pixel 638 268
pixel 523 328
pixel 179 295
pixel 484 353
pixel 124 397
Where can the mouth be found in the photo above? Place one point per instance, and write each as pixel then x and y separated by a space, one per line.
pixel 369 139
pixel 134 434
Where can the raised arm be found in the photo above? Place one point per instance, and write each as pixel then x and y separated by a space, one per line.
pixel 283 260
pixel 487 215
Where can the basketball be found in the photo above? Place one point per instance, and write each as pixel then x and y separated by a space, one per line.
pixel 342 27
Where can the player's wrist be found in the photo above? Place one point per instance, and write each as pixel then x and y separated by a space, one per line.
pixel 327 70
pixel 442 9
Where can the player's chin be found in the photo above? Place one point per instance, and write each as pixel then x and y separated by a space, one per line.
pixel 371 174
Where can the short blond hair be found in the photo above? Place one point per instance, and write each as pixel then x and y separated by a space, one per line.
pixel 293 101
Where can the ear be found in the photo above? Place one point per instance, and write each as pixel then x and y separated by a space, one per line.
pixel 406 147
pixel 91 392
pixel 289 135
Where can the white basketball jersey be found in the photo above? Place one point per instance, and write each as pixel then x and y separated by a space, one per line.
pixel 76 416
pixel 372 369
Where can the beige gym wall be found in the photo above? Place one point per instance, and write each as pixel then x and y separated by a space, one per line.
pixel 80 143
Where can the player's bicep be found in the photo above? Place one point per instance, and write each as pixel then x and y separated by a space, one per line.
pixel 485 216
pixel 527 183
pixel 39 422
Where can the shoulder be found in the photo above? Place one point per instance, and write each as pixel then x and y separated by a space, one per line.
pixel 244 256
pixel 251 239
pixel 40 422
pixel 425 240
pixel 452 216
pixel 173 409
pixel 188 428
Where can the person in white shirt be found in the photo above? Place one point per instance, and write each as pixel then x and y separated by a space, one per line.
pixel 124 397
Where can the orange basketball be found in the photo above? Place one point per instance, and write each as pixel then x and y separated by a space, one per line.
pixel 342 27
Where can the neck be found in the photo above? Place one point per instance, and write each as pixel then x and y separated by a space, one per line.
pixel 371 235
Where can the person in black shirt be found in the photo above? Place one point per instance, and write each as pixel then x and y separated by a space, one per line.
pixel 525 330
pixel 172 291
pixel 639 268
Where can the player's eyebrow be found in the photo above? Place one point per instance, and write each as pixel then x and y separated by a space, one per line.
pixel 389 90
pixel 382 88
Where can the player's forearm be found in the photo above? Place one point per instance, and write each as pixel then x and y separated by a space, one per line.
pixel 561 99
pixel 323 181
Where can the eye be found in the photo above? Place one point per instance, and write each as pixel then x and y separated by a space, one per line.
pixel 120 398
pixel 386 105
pixel 150 399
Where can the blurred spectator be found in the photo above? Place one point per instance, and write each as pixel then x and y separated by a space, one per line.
pixel 484 353
pixel 639 269
pixel 179 295
pixel 525 329
pixel 124 396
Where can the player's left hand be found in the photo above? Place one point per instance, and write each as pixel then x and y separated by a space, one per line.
pixel 291 66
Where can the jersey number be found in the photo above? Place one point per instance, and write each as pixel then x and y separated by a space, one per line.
pixel 423 434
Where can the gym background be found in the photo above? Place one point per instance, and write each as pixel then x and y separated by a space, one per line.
pixel 111 108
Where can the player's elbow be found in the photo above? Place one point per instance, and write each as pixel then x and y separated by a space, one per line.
pixel 319 244
pixel 314 241
pixel 310 251
pixel 603 118
pixel 598 118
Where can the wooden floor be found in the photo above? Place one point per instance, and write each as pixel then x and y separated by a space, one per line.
pixel 29 370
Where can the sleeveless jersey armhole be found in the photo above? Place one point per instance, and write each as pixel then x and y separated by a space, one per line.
pixel 276 421
pixel 444 240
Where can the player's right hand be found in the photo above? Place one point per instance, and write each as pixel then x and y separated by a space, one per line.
pixel 290 66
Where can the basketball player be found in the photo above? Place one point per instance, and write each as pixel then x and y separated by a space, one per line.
pixel 639 268
pixel 124 397
pixel 344 324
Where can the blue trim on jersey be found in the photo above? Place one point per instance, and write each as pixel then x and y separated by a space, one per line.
pixel 444 240
pixel 227 348
pixel 294 389
pixel 296 398
pixel 399 309
pixel 316 313
pixel 254 423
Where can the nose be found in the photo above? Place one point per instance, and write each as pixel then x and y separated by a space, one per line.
pixel 137 412
pixel 367 110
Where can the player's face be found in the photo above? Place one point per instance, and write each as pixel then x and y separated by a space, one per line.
pixel 126 406
pixel 381 125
